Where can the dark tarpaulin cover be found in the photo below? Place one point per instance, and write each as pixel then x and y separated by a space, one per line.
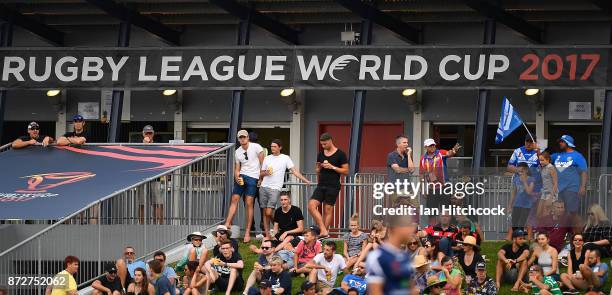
pixel 42 183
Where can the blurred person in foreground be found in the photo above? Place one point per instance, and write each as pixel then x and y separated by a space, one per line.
pixel 389 267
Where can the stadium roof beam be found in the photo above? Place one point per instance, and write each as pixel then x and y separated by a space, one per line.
pixel 490 9
pixel 131 16
pixel 271 25
pixel 44 31
pixel 404 30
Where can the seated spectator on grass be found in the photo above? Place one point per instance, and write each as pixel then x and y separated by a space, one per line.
pixel 225 269
pixel 512 261
pixel 162 284
pixel 127 265
pixel 355 281
pixel 306 250
pixel 421 266
pixel 458 219
pixel 307 288
pixel 278 278
pixel 414 248
pixel 577 255
pixel 592 274
pixel 444 232
pixel 354 242
pixel 325 267
pixel 481 284
pixel 194 280
pixel 221 234
pixel 557 225
pixel 469 257
pixel 167 271
pixel 109 284
pixel 377 236
pixel 140 285
pixel 546 257
pixel 541 284
pixel 261 265
pixel 288 223
pixel 434 256
pixel 194 251
pixel 597 232
pixel 465 231
pixel 285 254
pixel 451 275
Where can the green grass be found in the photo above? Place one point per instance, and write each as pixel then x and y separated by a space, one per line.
pixel 488 248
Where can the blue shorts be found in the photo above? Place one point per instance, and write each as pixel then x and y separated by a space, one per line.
pixel 248 189
pixel 571 200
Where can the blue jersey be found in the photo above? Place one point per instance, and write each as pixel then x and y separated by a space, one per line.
pixel 523 199
pixel 522 155
pixel 356 282
pixel 390 267
pixel 569 165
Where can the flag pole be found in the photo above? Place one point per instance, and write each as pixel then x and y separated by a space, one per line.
pixel 528 132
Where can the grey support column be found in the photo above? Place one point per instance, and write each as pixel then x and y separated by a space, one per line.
pixel 6 40
pixel 244 32
pixel 359 101
pixel 606 134
pixel 117 100
pixel 480 140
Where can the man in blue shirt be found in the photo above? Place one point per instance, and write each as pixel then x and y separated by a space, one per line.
pixel 127 265
pixel 356 280
pixel 161 282
pixel 525 154
pixel 389 267
pixel 572 177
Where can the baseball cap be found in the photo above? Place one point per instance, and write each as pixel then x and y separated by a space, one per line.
pixel 535 267
pixel 518 233
pixel 315 229
pixel 528 138
pixel 110 268
pixel 481 265
pixel 148 128
pixel 429 142
pixel 77 117
pixel 306 285
pixel 33 125
pixel 242 133
pixel 568 139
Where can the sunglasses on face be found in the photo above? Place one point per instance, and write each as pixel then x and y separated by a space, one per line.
pixel 265 248
pixel 35 129
pixel 413 243
pixel 148 133
pixel 246 157
pixel 222 232
pixel 77 121
pixel 112 273
pixel 130 253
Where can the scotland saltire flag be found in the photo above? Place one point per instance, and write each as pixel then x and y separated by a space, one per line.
pixel 509 120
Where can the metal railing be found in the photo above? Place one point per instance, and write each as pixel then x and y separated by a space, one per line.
pixel 5 147
pixel 148 216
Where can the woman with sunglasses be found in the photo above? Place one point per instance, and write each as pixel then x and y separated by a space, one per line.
pixel 546 257
pixel 597 232
pixel 414 248
pixel 140 285
pixel 577 257
pixel 434 256
pixel 469 256
pixel 194 251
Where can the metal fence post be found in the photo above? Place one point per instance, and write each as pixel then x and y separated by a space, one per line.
pixel 39 262
pixel 100 239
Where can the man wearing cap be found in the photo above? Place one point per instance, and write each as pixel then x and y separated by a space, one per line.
pixel 109 284
pixel 248 159
pixel 76 137
pixel 481 284
pixel 541 284
pixel 572 177
pixel 278 278
pixel 331 164
pixel 32 138
pixel 512 261
pixel 147 134
pixel 432 169
pixel 222 233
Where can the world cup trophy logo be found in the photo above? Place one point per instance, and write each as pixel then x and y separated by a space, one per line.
pixel 40 183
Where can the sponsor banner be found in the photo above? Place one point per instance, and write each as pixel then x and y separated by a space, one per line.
pixel 305 67
pixel 54 182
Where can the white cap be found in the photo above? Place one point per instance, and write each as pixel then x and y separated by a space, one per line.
pixel 429 142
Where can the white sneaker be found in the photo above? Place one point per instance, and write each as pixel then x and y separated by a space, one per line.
pixel 259 236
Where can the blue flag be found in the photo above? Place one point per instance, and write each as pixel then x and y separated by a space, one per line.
pixel 509 120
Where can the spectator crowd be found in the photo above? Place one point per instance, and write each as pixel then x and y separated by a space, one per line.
pixel 395 256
